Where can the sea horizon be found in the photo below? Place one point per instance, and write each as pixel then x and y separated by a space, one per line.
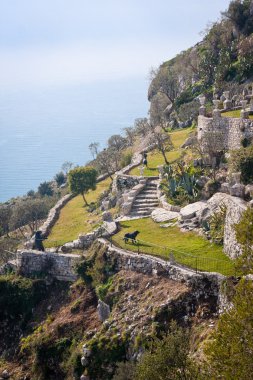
pixel 41 127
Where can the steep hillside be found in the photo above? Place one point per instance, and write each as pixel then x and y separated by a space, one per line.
pixel 222 60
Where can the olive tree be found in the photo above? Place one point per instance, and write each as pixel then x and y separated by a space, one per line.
pixel 82 179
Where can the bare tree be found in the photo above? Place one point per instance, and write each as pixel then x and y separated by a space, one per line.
pixel 94 147
pixel 142 126
pixel 130 135
pixel 66 166
pixel 107 161
pixel 162 141
pixel 117 142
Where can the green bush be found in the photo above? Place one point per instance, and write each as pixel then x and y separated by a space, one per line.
pixel 126 159
pixel 241 160
pixel 18 296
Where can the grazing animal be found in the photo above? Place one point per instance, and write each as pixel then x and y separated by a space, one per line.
pixel 131 236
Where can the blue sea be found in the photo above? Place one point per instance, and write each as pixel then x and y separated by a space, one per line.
pixel 42 127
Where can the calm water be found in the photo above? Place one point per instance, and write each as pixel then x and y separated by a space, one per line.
pixel 42 128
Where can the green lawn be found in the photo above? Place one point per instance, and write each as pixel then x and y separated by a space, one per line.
pixel 75 218
pixel 235 114
pixel 155 158
pixel 188 248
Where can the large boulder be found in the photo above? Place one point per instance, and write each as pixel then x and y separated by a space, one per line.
pixel 160 215
pixel 189 211
pixel 103 310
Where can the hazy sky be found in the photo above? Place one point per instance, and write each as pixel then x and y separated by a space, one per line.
pixel 80 41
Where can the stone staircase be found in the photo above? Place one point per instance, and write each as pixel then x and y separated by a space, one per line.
pixel 146 201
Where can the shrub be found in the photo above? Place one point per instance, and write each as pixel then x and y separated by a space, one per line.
pixel 217 224
pixel 126 159
pixel 241 160
pixel 60 178
pixel 45 188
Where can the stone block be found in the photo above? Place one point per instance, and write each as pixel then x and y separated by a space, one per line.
pixel 237 190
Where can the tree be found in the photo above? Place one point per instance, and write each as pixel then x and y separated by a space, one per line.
pixel 231 347
pixel 29 212
pixel 107 161
pixel 93 147
pixel 66 166
pixel 142 126
pixel 5 214
pixel 117 142
pixel 81 180
pixel 168 358
pixel 130 135
pixel 60 178
pixel 45 188
pixel 162 141
pixel 30 193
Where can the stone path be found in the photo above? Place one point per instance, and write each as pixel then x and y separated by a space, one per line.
pixel 146 201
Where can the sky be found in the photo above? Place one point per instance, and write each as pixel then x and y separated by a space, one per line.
pixel 59 42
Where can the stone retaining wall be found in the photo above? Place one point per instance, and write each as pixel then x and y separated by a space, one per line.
pixel 203 284
pixel 59 266
pixel 228 132
pixel 51 219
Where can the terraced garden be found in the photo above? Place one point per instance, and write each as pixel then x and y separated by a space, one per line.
pixel 75 218
pixel 155 158
pixel 235 114
pixel 188 248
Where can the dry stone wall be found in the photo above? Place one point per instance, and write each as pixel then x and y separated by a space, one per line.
pixel 227 132
pixel 203 284
pixel 59 266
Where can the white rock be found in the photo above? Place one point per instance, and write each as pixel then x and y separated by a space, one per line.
pixel 160 215
pixel 190 210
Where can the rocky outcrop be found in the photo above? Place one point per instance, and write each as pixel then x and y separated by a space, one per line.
pixel 160 215
pixel 235 207
pixel 192 209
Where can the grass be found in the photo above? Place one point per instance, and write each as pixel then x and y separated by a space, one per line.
pixel 235 114
pixel 75 218
pixel 155 158
pixel 188 248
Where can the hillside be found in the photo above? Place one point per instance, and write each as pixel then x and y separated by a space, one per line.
pixel 223 60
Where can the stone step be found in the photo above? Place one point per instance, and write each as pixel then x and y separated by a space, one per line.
pixel 141 213
pixel 148 201
pixel 144 207
pixel 146 196
pixel 149 191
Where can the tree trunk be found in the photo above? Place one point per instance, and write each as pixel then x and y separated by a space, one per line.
pixel 86 203
pixel 165 158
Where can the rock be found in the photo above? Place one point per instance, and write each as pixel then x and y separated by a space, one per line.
pixel 86 352
pixel 107 216
pixel 160 215
pixel 84 361
pixel 109 228
pixel 237 190
pixel 190 210
pixel 189 141
pixel 249 191
pixel 225 188
pixel 5 374
pixel 103 310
